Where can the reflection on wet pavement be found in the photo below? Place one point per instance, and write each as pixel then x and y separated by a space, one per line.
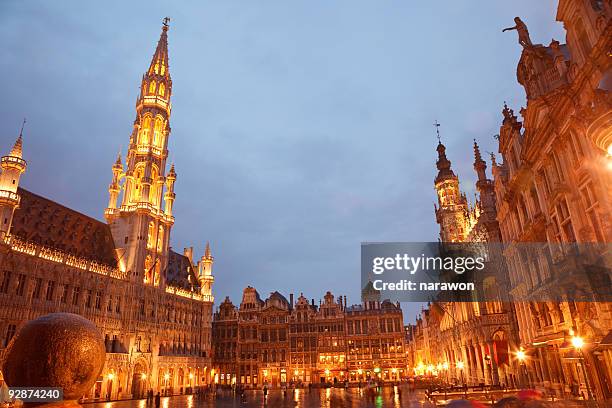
pixel 300 398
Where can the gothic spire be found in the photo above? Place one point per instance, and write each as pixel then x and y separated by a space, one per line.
pixel 159 62
pixel 479 165
pixel 17 149
pixel 443 164
pixel 207 253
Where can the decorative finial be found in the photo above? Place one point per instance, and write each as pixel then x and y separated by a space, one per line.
pixel 166 21
pixel 17 149
pixel 207 253
pixel 437 125
pixel 493 159
pixel 22 126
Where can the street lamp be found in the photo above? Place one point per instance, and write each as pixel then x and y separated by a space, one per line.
pixel 460 366
pixel 166 378
pixel 521 356
pixel 578 343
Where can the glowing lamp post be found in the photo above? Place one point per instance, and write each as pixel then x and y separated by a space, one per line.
pixel 578 343
pixel 166 378
pixel 521 356
pixel 460 367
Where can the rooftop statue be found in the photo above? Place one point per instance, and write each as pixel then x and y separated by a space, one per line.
pixel 523 33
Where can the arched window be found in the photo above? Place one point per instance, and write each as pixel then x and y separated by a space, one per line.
pixel 145 130
pixel 157 274
pixel 157 132
pixel 152 88
pixel 160 238
pixel 151 235
pixel 153 189
pixel 162 89
pixel 163 69
pixel 157 68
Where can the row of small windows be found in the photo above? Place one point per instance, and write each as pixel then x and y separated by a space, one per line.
pixel 71 295
pixel 158 68
pixel 161 89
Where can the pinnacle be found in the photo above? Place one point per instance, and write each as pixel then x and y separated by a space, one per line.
pixel 17 149
pixel 207 253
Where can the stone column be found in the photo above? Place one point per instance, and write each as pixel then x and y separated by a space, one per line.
pixel 487 367
pixel 494 367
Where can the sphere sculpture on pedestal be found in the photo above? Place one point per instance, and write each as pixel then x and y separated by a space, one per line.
pixel 61 350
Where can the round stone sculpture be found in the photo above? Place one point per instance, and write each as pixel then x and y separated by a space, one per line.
pixel 62 350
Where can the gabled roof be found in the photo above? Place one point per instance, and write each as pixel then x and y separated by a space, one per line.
pixel 53 225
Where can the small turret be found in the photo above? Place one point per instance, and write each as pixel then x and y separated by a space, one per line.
pixel 205 276
pixel 479 165
pixel 114 187
pixel 13 167
pixel 169 196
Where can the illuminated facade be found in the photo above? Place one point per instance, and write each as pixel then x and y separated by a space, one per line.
pixel 554 186
pixel 280 342
pixel 153 305
pixel 467 342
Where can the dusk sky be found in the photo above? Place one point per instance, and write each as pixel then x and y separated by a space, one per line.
pixel 299 128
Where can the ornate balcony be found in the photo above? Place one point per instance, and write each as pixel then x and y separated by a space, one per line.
pixel 14 162
pixel 9 197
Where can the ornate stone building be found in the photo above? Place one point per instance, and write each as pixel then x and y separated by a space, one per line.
pixel 473 340
pixel 152 304
pixel 551 193
pixel 280 342
pixel 554 187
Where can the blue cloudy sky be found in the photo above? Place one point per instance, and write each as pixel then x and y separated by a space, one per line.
pixel 299 128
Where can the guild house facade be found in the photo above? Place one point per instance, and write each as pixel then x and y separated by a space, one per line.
pixel 152 304
pixel 552 187
pixel 277 342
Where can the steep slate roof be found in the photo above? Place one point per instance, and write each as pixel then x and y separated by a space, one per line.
pixel 179 268
pixel 53 225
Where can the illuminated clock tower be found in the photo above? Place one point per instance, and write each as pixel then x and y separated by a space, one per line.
pixel 452 208
pixel 141 223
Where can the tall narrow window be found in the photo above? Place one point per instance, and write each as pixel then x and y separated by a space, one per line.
pixel 148 269
pixel 145 130
pixel 160 238
pixel 37 288
pixel 152 86
pixel 6 280
pixel 75 295
pixel 154 196
pixel 138 174
pixel 50 290
pixel 21 284
pixel 591 205
pixel 151 235
pixel 157 132
pixel 162 89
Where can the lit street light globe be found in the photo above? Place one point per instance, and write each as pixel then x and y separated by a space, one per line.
pixel 577 342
